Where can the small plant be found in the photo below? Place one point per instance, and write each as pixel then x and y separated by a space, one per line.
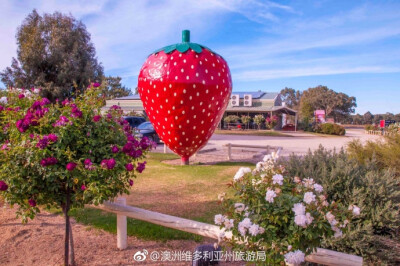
pixel 259 120
pixel 271 122
pixel 245 120
pixel 231 119
pixel 286 217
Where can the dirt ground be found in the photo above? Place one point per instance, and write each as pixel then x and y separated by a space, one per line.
pixel 41 242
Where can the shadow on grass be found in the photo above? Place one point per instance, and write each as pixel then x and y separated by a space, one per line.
pixel 144 230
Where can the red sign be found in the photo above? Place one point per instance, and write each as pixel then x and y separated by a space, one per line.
pixel 382 123
pixel 319 116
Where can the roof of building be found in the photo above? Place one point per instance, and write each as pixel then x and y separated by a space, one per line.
pixel 245 109
pixel 130 97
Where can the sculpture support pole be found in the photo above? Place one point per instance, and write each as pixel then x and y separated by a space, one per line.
pixel 184 160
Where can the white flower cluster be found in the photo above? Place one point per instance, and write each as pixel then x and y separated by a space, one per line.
pixel 270 195
pixel 241 172
pixel 301 218
pixel 355 209
pixel 3 100
pixel 332 221
pixel 253 229
pixel 220 219
pixel 295 257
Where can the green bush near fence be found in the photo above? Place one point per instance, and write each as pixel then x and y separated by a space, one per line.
pixel 375 235
pixel 330 129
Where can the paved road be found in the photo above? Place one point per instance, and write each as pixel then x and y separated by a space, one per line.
pixel 299 144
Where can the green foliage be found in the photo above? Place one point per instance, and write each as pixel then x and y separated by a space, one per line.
pixel 259 120
pixel 376 232
pixel 370 127
pixel 231 119
pixel 336 104
pixel 331 129
pixel 386 152
pixel 279 214
pixel 112 88
pixel 87 165
pixel 55 53
pixel 291 97
pixel 245 119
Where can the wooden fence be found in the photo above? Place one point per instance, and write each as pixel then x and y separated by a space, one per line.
pixel 379 132
pixel 119 207
pixel 267 148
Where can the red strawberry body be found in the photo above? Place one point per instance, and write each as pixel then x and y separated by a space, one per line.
pixel 185 95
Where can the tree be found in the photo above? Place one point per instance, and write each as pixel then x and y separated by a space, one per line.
pixel 368 118
pixel 358 119
pixel 65 155
pixel 336 105
pixel 291 97
pixel 112 88
pixel 259 120
pixel 55 53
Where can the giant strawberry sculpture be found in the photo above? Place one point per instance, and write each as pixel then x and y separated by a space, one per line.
pixel 185 89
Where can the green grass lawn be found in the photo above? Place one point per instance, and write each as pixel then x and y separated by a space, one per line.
pixel 252 133
pixel 188 191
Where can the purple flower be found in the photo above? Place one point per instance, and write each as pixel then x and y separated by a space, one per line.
pixel 96 84
pixel 109 116
pixel 3 186
pixel 48 161
pixel 65 102
pixel 44 102
pixel 62 121
pixel 75 112
pixel 32 202
pixel 52 137
pixel 21 96
pixel 114 149
pixel 129 167
pixel 43 143
pixel 96 118
pixel 22 125
pixel 87 162
pixel 130 182
pixel 83 187
pixel 127 147
pixel 141 166
pixel 111 163
pixel 71 166
pixel 115 107
pixel 1 108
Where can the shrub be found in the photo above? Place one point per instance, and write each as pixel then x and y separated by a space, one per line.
pixel 331 129
pixel 271 122
pixel 284 216
pixel 231 119
pixel 375 190
pixel 386 152
pixel 259 120
pixel 245 120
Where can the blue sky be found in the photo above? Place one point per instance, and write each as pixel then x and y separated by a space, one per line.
pixel 349 46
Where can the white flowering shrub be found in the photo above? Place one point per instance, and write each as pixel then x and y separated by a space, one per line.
pixel 284 216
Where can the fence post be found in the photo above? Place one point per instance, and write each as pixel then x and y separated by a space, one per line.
pixel 165 148
pixel 122 235
pixel 229 152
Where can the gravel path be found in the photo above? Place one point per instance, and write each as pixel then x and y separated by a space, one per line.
pixel 296 142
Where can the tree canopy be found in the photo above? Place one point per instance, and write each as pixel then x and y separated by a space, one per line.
pixel 336 104
pixel 55 53
pixel 291 97
pixel 112 88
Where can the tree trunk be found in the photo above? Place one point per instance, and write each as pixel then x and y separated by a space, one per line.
pixel 67 234
pixel 71 246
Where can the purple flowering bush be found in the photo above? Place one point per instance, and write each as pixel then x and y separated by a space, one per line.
pixel 284 216
pixel 65 154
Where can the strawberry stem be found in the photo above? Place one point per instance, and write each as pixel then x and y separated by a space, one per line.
pixel 185 36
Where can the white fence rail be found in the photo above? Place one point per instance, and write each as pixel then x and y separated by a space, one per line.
pixel 321 256
pixel 267 148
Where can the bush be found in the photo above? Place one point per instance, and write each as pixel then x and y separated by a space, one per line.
pixel 386 152
pixel 375 234
pixel 259 120
pixel 231 119
pixel 331 129
pixel 279 214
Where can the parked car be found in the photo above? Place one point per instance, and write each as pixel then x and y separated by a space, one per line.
pixel 146 129
pixel 134 121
